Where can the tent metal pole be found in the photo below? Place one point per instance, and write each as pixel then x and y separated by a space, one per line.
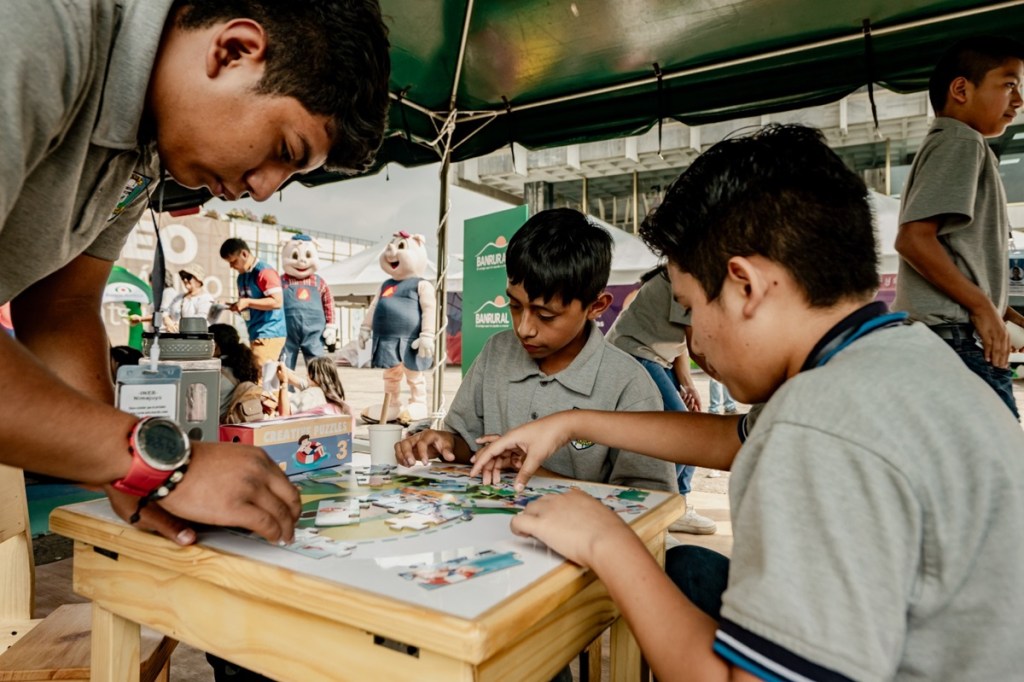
pixel 636 202
pixel 441 309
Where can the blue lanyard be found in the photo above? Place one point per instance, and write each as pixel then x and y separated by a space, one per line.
pixel 846 338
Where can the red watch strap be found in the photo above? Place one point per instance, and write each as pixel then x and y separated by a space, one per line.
pixel 141 478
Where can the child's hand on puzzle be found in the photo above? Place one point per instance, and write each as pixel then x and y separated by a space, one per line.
pixel 524 448
pixel 573 524
pixel 422 446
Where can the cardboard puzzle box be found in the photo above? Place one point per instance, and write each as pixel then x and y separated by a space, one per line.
pixel 297 444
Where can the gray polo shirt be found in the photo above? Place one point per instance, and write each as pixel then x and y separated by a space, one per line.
pixel 955 179
pixel 72 170
pixel 505 388
pixel 878 514
pixel 653 327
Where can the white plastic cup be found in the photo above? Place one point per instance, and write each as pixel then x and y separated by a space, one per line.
pixel 383 438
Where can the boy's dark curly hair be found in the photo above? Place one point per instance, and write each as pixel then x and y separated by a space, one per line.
pixel 332 56
pixel 780 193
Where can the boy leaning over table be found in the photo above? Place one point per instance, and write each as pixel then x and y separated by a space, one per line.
pixel 910 561
pixel 100 99
pixel 554 357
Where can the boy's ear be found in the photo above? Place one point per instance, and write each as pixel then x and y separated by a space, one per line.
pixel 236 43
pixel 958 90
pixel 597 308
pixel 743 277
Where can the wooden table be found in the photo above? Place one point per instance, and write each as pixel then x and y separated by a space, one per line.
pixel 292 626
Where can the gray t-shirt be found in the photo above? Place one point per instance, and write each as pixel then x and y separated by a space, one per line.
pixel 653 327
pixel 505 388
pixel 73 173
pixel 955 179
pixel 878 532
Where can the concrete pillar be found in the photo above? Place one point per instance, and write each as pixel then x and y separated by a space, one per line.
pixel 539 196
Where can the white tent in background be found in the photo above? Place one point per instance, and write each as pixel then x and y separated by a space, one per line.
pixel 887 224
pixel 630 256
pixel 358 277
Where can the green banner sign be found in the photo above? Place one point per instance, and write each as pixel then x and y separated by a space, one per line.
pixel 484 304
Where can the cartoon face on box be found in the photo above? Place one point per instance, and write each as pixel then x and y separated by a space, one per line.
pixel 298 444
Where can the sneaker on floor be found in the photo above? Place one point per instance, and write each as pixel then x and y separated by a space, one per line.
pixel 730 410
pixel 693 523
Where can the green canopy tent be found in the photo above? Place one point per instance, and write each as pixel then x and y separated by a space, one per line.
pixel 469 77
pixel 124 287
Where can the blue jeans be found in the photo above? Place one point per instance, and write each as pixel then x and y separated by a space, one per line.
pixel 665 380
pixel 720 395
pixel 1001 380
pixel 701 574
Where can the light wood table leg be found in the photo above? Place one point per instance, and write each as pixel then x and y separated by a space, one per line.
pixel 593 654
pixel 115 647
pixel 624 654
pixel 627 663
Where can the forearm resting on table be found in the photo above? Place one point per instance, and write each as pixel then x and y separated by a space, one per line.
pixel 705 440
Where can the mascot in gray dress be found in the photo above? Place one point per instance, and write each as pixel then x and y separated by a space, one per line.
pixel 401 322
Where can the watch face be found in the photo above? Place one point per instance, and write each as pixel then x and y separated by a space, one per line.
pixel 162 442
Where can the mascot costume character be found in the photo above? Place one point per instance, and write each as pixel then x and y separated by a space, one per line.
pixel 308 305
pixel 401 318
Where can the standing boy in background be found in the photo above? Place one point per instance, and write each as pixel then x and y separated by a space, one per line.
pixel 553 358
pixel 260 300
pixel 908 564
pixel 954 231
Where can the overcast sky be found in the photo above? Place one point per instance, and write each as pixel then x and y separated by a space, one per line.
pixel 374 207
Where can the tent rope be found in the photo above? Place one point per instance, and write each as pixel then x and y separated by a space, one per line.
pixel 660 104
pixel 869 63
pixel 445 133
pixel 511 130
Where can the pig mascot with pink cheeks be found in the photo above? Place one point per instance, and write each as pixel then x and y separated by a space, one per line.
pixel 401 323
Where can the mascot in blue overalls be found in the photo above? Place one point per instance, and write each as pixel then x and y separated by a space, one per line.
pixel 401 321
pixel 308 305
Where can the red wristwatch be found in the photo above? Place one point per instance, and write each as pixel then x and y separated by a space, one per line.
pixel 158 447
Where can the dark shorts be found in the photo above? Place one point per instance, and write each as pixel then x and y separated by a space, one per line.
pixel 960 337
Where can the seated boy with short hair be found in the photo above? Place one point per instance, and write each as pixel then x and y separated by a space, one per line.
pixel 553 358
pixel 902 466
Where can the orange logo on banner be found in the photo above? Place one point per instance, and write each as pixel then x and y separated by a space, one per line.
pixel 389 292
pixel 303 294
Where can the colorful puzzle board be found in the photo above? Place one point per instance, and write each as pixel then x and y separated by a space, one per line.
pixel 431 536
pixel 348 506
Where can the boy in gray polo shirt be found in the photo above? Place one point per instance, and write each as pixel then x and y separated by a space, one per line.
pixel 954 228
pixel 554 358
pixel 908 565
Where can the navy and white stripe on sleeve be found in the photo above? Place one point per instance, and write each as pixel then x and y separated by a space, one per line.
pixel 767 660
